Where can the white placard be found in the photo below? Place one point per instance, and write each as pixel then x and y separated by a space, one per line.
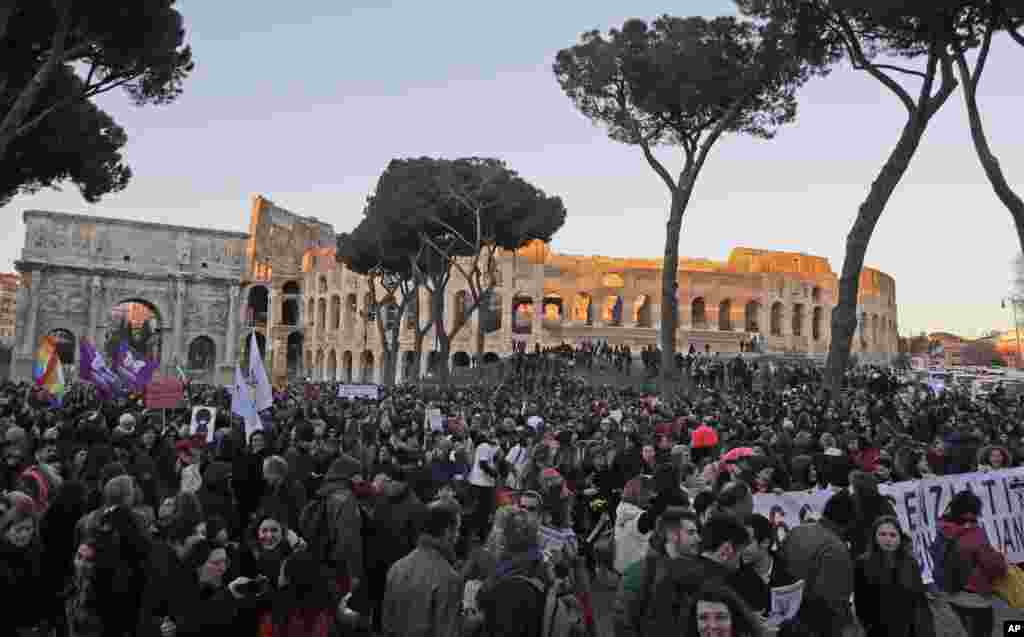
pixel 351 392
pixel 786 602
pixel 204 421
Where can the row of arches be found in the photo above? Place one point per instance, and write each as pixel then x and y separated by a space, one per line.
pixel 583 309
pixel 329 365
pixel 258 304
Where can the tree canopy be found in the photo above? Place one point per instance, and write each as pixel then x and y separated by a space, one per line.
pixel 80 144
pixel 449 216
pixel 684 82
pixel 60 53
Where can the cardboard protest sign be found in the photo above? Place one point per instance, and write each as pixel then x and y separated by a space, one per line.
pixel 786 602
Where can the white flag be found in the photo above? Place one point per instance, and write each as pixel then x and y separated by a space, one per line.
pixel 242 405
pixel 264 397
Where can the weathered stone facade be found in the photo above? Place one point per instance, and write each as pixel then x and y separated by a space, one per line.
pixel 782 299
pixel 75 269
pixel 209 290
pixel 9 284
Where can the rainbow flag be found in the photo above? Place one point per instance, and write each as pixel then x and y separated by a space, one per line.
pixel 47 370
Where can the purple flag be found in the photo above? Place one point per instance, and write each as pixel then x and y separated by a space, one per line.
pixel 134 371
pixel 93 368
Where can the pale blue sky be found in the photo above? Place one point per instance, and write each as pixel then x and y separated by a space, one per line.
pixel 306 102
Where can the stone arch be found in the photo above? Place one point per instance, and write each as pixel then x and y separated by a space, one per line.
pixel 798 319
pixel 351 310
pixel 776 319
pixel 874 331
pixel 321 286
pixel 258 301
pixel 816 321
pixel 612 312
pixel 202 354
pixel 410 369
pixel 369 309
pixel 332 365
pixel 366 367
pixel 553 308
pixel 137 322
pixel 291 288
pixel 335 312
pixel 816 295
pixel 66 345
pixel 309 363
pixel 290 312
pixel 459 310
pixel 318 365
pixel 863 327
pixel 725 315
pixel 321 313
pixel 293 353
pixel 490 358
pixel 346 366
pixel 311 312
pixel 698 314
pixel 752 317
pixel 642 311
pixel 581 308
pixel 522 314
pixel 492 322
pixel 460 359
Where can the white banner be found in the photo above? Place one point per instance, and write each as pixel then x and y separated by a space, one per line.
pixel 352 392
pixel 919 504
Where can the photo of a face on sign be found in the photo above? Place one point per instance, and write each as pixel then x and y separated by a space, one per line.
pixel 203 419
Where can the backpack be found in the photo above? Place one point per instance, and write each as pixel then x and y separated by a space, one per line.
pixel 563 616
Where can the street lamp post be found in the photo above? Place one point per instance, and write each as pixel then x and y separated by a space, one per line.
pixel 1016 325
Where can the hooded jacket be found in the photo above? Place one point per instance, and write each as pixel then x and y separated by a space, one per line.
pixel 345 522
pixel 987 564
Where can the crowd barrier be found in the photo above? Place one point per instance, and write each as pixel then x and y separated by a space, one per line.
pixel 919 504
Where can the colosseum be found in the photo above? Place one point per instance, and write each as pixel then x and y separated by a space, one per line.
pixel 200 293
pixel 780 302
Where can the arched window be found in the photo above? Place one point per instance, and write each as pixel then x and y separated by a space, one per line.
pixel 816 295
pixel 351 310
pixel 612 314
pixel 311 313
pixel 291 288
pixel 65 346
pixel 369 310
pixel 752 317
pixel 321 313
pixel 522 314
pixel 346 367
pixel 776 319
pixel 798 319
pixel 322 285
pixel 335 312
pixel 332 365
pixel 459 312
pixel 289 312
pixel 582 308
pixel 258 301
pixel 698 317
pixel 642 311
pixel 293 355
pixel 816 318
pixel 202 354
pixel 725 316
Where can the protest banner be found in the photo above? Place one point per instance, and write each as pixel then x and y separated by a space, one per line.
pixel 351 392
pixel 919 504
pixel 164 393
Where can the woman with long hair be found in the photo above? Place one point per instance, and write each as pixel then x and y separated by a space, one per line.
pixel 716 611
pixel 21 576
pixel 887 584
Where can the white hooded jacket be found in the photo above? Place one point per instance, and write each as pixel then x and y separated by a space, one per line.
pixel 630 544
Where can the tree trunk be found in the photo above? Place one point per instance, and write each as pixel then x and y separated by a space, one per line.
pixel 844 317
pixel 670 273
pixel 441 334
pixel 993 170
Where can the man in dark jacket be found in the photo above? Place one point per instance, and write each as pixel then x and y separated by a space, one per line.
pixel 217 497
pixel 424 591
pixel 817 554
pixel 512 601
pixel 283 496
pixel 344 522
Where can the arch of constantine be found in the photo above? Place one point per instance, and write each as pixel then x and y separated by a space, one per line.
pixel 193 296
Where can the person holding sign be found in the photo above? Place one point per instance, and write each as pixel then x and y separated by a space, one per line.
pixel 888 590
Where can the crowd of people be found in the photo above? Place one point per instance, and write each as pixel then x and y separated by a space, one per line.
pixel 505 516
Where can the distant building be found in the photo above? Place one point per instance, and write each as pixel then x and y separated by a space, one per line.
pixel 9 284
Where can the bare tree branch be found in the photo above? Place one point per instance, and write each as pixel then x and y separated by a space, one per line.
pixel 851 42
